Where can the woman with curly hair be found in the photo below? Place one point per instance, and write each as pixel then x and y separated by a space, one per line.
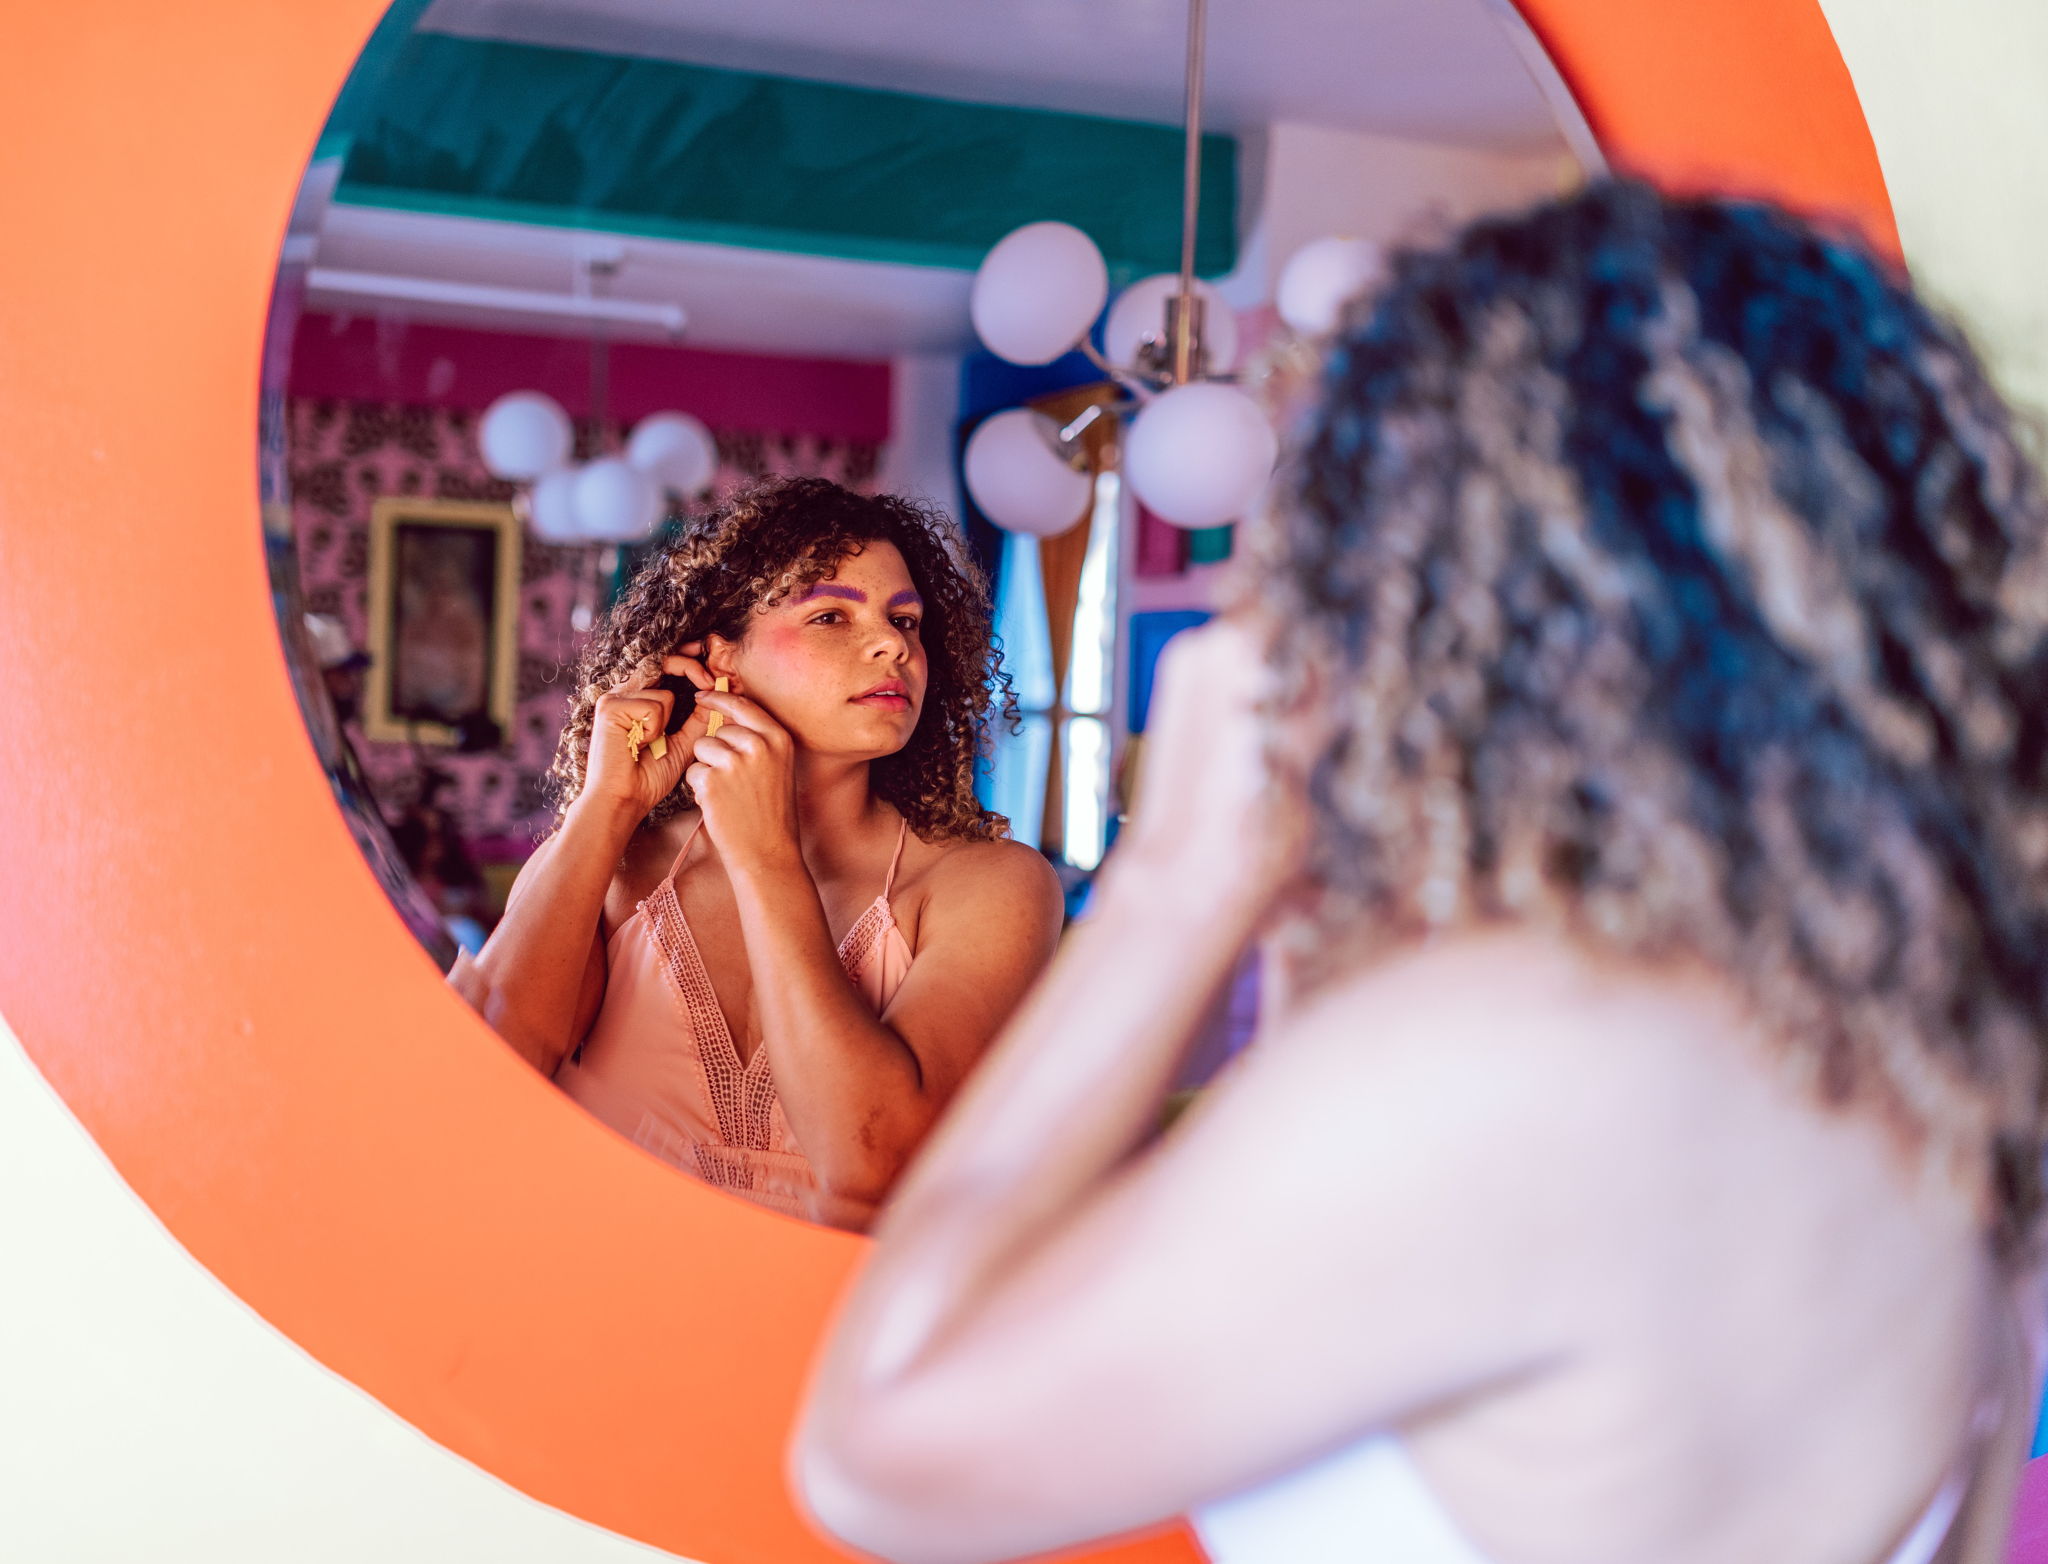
pixel 768 947
pixel 1632 742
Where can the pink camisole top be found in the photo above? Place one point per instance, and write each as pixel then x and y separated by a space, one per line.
pixel 659 1065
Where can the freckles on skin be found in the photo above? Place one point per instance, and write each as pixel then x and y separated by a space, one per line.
pixel 779 644
pixel 785 657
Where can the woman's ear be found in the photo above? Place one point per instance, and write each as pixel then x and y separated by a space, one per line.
pixel 721 656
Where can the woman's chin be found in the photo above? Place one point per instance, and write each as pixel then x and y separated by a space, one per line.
pixel 871 734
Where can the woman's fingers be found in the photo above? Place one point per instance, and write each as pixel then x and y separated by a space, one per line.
pixel 685 664
pixel 1219 663
pixel 743 713
pixel 1208 799
pixel 650 706
pixel 729 746
pixel 744 742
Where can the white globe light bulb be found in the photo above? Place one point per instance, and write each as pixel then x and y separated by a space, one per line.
pixel 1322 277
pixel 676 451
pixel 1199 455
pixel 552 506
pixel 1019 481
pixel 616 502
pixel 1037 292
pixel 523 435
pixel 1140 312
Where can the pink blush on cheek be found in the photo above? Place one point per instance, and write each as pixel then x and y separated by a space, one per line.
pixel 784 651
pixel 780 659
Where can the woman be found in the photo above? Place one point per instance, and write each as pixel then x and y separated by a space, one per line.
pixel 771 954
pixel 1646 1167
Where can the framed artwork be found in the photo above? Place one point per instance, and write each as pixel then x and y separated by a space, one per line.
pixel 444 621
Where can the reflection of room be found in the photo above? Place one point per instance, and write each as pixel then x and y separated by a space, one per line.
pixel 789 204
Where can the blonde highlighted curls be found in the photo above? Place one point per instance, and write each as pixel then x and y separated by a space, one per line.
pixel 1676 581
pixel 780 536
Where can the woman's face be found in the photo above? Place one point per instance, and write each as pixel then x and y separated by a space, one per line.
pixel 840 664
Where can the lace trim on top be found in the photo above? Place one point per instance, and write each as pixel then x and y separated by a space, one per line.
pixel 743 1097
pixel 864 936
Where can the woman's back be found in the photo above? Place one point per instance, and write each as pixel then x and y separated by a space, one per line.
pixel 1767 1320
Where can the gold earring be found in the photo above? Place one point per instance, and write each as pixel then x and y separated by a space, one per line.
pixel 716 720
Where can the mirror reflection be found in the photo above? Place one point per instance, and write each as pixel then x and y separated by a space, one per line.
pixel 729 478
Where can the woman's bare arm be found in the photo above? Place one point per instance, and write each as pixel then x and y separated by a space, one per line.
pixel 1043 1286
pixel 539 979
pixel 1044 1351
pixel 861 1093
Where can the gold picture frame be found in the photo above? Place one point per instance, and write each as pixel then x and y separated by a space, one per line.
pixel 444 620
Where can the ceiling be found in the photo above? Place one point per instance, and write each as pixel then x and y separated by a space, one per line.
pixel 1466 73
pixel 1434 70
pixel 756 301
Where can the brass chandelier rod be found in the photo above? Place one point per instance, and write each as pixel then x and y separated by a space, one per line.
pixel 1186 322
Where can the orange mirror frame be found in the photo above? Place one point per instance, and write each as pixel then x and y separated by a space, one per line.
pixel 196 956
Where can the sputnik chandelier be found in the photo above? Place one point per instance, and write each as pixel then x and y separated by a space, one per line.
pixel 1198 449
pixel 615 498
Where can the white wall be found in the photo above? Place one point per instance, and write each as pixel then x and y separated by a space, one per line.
pixel 149 1415
pixel 1957 97
pixel 1315 181
pixel 924 406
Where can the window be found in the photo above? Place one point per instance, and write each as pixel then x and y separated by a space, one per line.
pixel 1082 711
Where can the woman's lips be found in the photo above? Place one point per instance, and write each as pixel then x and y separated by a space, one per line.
pixel 890 697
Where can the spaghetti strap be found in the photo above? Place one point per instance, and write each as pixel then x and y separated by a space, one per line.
pixel 902 836
pixel 689 841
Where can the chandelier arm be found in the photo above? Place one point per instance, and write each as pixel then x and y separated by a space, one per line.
pixel 1130 379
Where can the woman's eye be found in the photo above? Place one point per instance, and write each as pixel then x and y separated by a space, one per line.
pixel 831 616
pixel 909 624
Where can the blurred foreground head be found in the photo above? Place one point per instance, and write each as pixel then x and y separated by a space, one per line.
pixel 1664 572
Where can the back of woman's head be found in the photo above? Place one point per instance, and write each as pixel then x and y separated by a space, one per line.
pixel 777 537
pixel 1664 573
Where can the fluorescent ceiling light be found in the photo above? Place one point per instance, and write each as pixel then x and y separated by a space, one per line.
pixel 329 283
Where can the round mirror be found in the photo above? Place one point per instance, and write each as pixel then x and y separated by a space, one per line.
pixel 297 1094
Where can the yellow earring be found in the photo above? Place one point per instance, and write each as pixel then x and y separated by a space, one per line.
pixel 723 686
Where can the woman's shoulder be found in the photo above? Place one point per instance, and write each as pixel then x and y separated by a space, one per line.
pixel 973 871
pixel 1590 1067
pixel 975 858
pixel 651 853
pixel 1559 1020
pixel 662 840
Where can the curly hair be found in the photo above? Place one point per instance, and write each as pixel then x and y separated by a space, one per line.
pixel 1664 573
pixel 780 536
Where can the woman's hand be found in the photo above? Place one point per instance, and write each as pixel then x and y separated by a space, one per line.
pixel 632 779
pixel 1210 822
pixel 744 777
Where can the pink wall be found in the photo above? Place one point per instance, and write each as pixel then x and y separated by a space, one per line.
pixel 2029 1544
pixel 364 359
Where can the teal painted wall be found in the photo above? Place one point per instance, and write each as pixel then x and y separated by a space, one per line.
pixel 675 151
